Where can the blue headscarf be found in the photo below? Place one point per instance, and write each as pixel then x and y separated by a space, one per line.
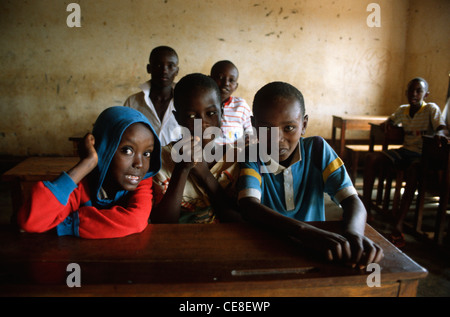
pixel 108 130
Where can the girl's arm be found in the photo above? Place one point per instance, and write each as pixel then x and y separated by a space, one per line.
pixel 52 202
pixel 127 217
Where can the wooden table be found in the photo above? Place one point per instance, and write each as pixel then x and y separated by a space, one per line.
pixel 345 123
pixel 192 260
pixel 34 169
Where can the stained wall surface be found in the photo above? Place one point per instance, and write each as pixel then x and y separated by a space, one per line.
pixel 55 80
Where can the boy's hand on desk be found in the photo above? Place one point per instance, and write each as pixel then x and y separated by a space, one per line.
pixel 332 246
pixel 363 250
pixel 441 138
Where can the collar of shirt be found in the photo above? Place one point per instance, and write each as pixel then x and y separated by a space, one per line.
pixel 278 168
pixel 227 102
pixel 406 111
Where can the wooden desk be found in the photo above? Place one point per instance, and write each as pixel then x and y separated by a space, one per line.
pixel 76 140
pixel 345 123
pixel 192 260
pixel 34 169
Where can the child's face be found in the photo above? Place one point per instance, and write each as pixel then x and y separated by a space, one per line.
pixel 416 93
pixel 286 115
pixel 163 69
pixel 132 159
pixel 226 78
pixel 202 103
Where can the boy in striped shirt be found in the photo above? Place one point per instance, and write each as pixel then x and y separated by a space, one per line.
pixel 292 193
pixel 236 113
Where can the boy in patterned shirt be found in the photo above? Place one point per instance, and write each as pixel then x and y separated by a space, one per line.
pixel 417 118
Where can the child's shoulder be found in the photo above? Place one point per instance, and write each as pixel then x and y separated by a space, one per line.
pixel 432 105
pixel 239 101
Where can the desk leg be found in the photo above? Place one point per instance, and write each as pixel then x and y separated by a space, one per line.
pixel 333 137
pixel 342 140
pixel 408 288
pixel 16 200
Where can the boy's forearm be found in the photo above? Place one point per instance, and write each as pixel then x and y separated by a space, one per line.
pixel 254 211
pixel 354 216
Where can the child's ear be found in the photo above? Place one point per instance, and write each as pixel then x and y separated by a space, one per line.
pixel 426 95
pixel 148 68
pixel 305 124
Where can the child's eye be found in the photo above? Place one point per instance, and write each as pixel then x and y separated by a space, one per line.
pixel 127 150
pixel 289 128
pixel 211 113
pixel 191 116
pixel 147 154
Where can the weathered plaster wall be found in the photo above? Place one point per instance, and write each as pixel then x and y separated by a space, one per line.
pixel 55 80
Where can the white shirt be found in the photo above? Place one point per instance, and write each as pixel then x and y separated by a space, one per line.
pixel 168 130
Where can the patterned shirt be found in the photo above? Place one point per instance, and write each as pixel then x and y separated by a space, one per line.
pixel 236 119
pixel 425 121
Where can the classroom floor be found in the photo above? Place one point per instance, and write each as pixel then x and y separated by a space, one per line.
pixel 435 259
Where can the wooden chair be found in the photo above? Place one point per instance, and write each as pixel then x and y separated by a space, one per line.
pixel 434 179
pixel 384 138
pixel 379 140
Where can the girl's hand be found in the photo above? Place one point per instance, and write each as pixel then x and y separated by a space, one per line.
pixel 87 151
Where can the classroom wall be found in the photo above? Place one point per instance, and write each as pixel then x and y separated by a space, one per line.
pixel 55 80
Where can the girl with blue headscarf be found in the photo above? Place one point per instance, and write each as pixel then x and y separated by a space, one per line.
pixel 108 194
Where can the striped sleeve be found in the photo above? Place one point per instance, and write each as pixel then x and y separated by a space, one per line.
pixel 249 182
pixel 338 184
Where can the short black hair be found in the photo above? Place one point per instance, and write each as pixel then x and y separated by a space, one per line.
pixel 419 79
pixel 276 90
pixel 222 63
pixel 187 85
pixel 160 49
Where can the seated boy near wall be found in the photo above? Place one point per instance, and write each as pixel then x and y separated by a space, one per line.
pixel 417 118
pixel 108 194
pixel 236 113
pixel 155 100
pixel 286 193
pixel 196 182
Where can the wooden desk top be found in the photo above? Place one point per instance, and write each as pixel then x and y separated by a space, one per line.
pixel 191 260
pixel 40 168
pixel 357 122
